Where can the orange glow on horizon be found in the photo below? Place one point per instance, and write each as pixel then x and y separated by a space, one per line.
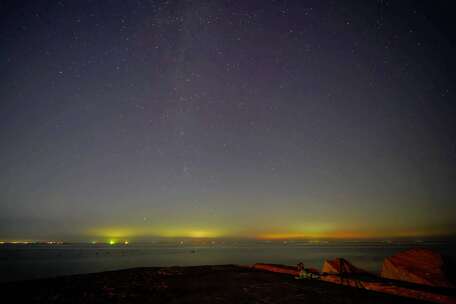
pixel 347 235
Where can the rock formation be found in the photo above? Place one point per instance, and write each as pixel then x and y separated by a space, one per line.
pixel 341 266
pixel 420 266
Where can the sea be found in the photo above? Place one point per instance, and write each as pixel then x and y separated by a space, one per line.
pixel 42 260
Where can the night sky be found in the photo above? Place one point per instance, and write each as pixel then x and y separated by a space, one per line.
pixel 259 119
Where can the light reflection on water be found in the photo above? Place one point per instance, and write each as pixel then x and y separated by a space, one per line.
pixel 19 262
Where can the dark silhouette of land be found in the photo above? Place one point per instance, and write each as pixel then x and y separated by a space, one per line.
pixel 200 284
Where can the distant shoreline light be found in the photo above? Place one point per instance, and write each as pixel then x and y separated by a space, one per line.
pixel 31 242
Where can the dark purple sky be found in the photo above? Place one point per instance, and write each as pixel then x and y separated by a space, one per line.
pixel 129 119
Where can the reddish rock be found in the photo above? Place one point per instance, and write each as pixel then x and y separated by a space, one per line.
pixel 277 268
pixel 419 266
pixel 339 266
pixel 391 288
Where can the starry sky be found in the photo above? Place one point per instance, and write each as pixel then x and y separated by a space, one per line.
pixel 251 119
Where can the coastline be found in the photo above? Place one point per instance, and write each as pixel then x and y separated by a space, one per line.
pixel 193 284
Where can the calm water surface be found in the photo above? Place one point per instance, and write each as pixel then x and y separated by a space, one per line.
pixel 19 262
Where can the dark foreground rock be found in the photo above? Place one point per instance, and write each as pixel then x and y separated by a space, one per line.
pixel 202 284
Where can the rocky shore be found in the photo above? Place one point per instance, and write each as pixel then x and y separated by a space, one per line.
pixel 200 284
